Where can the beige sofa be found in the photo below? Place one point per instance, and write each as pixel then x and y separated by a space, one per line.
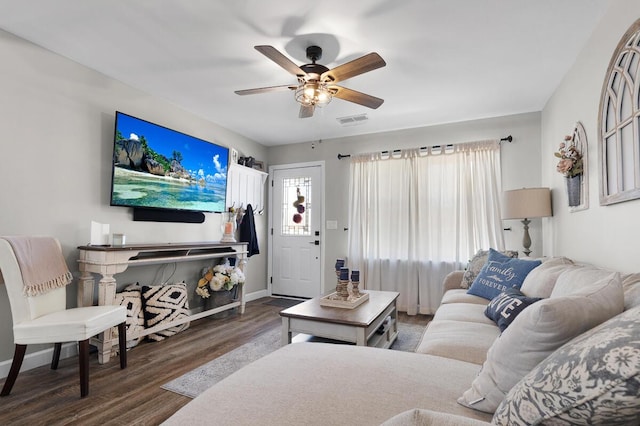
pixel 464 368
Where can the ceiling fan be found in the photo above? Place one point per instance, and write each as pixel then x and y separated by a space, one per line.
pixel 317 83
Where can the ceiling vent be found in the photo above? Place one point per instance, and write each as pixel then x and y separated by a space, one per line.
pixel 353 120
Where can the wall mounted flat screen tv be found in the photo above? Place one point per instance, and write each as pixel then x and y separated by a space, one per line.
pixel 155 167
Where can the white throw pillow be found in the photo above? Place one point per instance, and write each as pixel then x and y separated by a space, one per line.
pixel 541 280
pixel 538 331
pixel 580 281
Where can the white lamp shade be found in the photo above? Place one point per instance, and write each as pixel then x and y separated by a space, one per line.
pixel 526 203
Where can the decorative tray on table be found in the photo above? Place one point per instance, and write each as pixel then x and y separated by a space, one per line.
pixel 335 301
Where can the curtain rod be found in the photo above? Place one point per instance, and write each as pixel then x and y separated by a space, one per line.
pixel 505 139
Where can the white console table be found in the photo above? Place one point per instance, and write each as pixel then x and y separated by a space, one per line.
pixel 109 260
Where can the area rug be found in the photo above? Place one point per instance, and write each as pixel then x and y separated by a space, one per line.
pixel 408 337
pixel 283 303
pixel 202 378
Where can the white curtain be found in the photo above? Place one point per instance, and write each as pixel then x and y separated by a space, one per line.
pixel 417 215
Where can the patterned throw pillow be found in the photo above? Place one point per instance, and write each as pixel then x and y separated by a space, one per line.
pixel 164 304
pixel 500 273
pixel 505 307
pixel 131 298
pixel 476 264
pixel 593 379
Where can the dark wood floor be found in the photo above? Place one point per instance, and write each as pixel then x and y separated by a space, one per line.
pixel 133 396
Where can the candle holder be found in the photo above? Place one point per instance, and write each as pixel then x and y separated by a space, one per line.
pixel 345 297
pixel 355 282
pixel 342 288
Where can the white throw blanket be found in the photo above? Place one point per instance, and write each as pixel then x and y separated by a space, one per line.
pixel 41 263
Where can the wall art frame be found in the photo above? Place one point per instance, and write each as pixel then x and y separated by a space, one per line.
pixel 619 122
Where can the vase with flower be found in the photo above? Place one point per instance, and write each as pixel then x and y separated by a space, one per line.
pixel 570 165
pixel 219 284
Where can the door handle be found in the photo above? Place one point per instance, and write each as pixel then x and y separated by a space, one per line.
pixel 316 242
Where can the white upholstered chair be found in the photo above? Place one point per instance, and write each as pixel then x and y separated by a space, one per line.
pixel 45 319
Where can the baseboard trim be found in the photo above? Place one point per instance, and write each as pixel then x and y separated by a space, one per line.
pixel 38 359
pixel 256 295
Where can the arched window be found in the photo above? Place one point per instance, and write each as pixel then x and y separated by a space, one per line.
pixel 619 123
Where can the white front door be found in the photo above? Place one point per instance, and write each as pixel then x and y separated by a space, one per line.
pixel 296 234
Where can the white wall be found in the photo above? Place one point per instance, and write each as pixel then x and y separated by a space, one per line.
pixel 57 121
pixel 603 235
pixel 520 165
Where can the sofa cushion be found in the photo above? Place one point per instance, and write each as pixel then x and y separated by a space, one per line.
pixel 464 341
pixel 460 295
pixel 505 307
pixel 419 417
pixel 164 304
pixel 328 384
pixel 541 280
pixel 594 379
pixel 467 312
pixel 476 263
pixel 537 332
pixel 499 273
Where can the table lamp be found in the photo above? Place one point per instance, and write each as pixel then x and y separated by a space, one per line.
pixel 526 203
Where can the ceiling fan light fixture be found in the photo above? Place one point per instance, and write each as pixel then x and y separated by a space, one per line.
pixel 317 83
pixel 313 93
pixel 310 90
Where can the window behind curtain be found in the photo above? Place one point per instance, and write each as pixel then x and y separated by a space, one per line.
pixel 416 216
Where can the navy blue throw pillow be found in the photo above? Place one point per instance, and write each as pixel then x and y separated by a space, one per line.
pixel 500 273
pixel 506 306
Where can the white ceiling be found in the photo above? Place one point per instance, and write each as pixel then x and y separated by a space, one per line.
pixel 447 60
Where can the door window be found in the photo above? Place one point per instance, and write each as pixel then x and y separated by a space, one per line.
pixel 296 206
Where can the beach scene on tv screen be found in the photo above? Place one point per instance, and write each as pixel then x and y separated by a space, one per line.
pixel 157 167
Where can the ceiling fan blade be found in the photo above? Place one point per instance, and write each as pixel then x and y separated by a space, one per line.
pixel 356 97
pixel 358 66
pixel 277 57
pixel 306 111
pixel 265 90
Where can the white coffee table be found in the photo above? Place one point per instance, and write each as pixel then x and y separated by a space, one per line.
pixel 356 325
